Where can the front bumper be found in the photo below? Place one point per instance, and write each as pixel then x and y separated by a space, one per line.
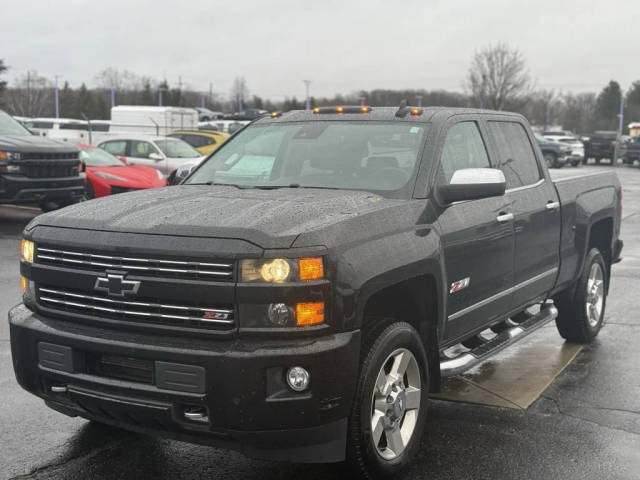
pixel 242 390
pixel 20 189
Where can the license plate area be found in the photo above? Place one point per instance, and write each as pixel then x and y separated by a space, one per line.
pixel 121 368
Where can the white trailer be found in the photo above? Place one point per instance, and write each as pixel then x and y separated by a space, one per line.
pixel 152 120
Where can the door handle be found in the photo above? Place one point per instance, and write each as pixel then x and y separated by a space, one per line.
pixel 552 206
pixel 504 217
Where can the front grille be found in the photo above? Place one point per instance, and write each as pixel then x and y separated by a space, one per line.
pixel 50 156
pixel 166 268
pixel 142 310
pixel 49 169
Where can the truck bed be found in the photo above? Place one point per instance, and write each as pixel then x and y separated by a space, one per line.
pixel 586 196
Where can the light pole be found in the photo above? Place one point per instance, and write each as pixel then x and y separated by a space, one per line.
pixel 307 104
pixel 56 96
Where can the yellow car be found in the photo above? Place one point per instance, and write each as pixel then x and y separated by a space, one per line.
pixel 204 141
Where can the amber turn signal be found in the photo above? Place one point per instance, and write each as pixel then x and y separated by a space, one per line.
pixel 23 284
pixel 311 268
pixel 308 314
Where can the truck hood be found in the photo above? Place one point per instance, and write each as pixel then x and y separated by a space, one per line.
pixel 267 218
pixel 34 143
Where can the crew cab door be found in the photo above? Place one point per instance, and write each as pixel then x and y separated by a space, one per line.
pixel 536 209
pixel 476 237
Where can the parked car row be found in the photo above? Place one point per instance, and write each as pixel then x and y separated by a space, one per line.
pixel 72 170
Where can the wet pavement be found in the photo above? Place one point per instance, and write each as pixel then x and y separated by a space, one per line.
pixel 585 424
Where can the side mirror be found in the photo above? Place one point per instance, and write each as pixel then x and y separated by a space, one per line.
pixel 472 184
pixel 156 157
pixel 123 160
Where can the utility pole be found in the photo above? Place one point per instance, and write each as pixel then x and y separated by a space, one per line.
pixel 210 93
pixel 56 96
pixel 307 104
pixel 361 101
pixel 113 96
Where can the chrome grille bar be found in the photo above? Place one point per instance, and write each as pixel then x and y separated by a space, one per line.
pixel 224 270
pixel 119 307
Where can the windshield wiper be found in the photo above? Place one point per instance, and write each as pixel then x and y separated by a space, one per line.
pixel 276 187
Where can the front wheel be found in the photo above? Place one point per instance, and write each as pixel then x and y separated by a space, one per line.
pixel 581 312
pixel 550 160
pixel 390 407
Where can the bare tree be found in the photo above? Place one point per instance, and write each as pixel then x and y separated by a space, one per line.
pixel 31 95
pixel 118 79
pixel 239 92
pixel 498 77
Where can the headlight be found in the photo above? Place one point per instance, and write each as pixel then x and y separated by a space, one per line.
pixel 110 176
pixel 10 156
pixel 27 250
pixel 279 270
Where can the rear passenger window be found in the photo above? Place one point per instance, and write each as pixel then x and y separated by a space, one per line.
pixel 516 157
pixel 463 148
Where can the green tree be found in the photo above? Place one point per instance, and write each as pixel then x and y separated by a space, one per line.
pixel 608 106
pixel 3 83
pixel 632 111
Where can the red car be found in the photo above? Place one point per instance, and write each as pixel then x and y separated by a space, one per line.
pixel 107 174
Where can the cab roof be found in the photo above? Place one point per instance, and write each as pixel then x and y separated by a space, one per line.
pixel 374 114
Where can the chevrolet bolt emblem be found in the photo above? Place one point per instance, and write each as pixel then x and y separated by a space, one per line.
pixel 115 285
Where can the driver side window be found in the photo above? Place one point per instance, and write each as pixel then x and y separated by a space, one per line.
pixel 463 148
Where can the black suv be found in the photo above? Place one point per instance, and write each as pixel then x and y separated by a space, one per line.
pixel 37 170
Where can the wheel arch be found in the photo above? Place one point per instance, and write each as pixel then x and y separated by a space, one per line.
pixel 415 298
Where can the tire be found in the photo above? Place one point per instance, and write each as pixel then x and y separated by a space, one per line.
pixel 585 161
pixel 598 161
pixel 581 309
pixel 89 193
pixel 550 159
pixel 371 452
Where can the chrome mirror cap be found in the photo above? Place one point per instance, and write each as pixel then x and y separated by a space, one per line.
pixel 472 184
pixel 468 176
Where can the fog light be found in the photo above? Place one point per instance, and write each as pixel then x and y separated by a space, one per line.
pixel 279 314
pixel 298 378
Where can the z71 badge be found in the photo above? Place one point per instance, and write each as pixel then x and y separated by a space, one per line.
pixel 459 285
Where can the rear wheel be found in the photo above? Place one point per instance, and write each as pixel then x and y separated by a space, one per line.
pixel 389 409
pixel 581 310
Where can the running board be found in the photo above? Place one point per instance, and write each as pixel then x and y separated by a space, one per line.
pixel 458 364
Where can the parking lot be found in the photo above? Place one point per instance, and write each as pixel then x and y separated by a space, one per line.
pixel 584 425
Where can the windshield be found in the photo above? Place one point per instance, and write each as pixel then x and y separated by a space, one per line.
pixel 176 148
pixel 96 157
pixel 375 156
pixel 9 126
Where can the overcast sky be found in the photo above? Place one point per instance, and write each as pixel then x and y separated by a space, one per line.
pixel 341 45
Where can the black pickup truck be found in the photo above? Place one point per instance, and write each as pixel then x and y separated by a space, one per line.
pixel 602 144
pixel 307 286
pixel 37 170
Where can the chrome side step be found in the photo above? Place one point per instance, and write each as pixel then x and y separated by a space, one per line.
pixel 450 366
